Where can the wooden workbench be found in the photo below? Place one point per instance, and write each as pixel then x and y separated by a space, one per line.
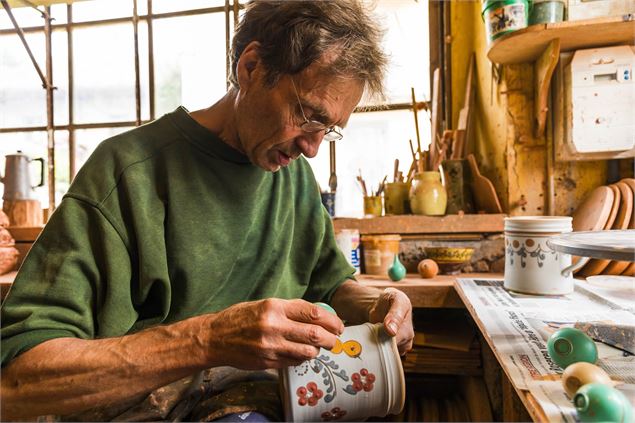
pixel 444 292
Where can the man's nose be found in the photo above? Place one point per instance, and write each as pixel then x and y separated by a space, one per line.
pixel 309 143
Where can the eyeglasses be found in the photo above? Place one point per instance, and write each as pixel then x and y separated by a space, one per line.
pixel 334 133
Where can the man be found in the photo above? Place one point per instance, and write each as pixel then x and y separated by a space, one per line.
pixel 186 244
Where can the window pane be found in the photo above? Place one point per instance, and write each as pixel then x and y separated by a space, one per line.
pixel 189 73
pixel 143 70
pixel 60 77
pixel 406 42
pixel 372 141
pixel 164 6
pixel 104 74
pixel 22 98
pixel 24 16
pixel 86 140
pixel 101 9
pixel 58 13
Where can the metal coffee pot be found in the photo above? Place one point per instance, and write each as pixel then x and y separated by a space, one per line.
pixel 17 180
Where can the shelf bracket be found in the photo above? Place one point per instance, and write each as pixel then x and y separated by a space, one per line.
pixel 543 70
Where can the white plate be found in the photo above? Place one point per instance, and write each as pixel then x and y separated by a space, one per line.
pixel 612 282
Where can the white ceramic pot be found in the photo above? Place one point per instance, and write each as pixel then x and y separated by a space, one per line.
pixel 531 266
pixel 359 378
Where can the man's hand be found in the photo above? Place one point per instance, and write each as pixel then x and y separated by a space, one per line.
pixel 271 333
pixel 394 310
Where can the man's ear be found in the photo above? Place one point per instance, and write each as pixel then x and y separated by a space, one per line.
pixel 247 64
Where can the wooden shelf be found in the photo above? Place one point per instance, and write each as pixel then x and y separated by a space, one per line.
pixel 416 224
pixel 527 44
pixel 438 292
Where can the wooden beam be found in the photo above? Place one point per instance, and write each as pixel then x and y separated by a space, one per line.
pixel 543 70
pixel 417 224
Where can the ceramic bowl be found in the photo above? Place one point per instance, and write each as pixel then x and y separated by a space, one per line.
pixel 450 259
pixel 360 377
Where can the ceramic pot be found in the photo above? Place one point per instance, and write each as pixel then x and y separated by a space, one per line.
pixel 427 194
pixel 379 251
pixel 360 377
pixel 531 266
pixel 396 199
pixel 372 206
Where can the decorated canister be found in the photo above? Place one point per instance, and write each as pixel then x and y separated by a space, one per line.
pixel 360 377
pixel 348 242
pixel 504 16
pixel 531 266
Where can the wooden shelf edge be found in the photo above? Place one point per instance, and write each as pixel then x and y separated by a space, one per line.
pixel 526 45
pixel 438 292
pixel 416 224
pixel 25 233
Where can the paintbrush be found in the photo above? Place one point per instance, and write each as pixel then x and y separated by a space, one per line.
pixel 381 186
pixel 362 183
pixel 396 170
pixel 414 109
pixel 333 177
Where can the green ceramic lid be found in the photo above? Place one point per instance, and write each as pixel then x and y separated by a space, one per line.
pixel 326 307
pixel 569 345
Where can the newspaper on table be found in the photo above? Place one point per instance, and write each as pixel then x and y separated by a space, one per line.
pixel 519 326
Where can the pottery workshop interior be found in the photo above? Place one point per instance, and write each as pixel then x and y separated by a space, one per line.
pixel 317 210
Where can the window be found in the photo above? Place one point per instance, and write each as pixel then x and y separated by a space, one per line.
pixel 96 38
pixel 373 140
pixel 97 96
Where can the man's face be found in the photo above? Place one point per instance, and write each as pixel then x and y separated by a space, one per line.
pixel 269 119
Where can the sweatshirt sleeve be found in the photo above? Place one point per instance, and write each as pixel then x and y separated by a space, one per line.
pixel 76 274
pixel 332 268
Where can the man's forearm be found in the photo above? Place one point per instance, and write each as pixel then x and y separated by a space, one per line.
pixel 353 302
pixel 67 375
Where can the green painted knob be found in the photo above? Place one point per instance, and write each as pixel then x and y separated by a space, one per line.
pixel 397 271
pixel 326 307
pixel 569 345
pixel 597 402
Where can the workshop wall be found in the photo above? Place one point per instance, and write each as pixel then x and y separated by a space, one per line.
pixel 503 141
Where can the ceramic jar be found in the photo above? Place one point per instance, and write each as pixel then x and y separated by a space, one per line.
pixel 378 253
pixel 531 266
pixel 372 206
pixel 396 198
pixel 427 194
pixel 360 377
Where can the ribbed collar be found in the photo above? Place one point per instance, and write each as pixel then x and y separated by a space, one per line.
pixel 204 138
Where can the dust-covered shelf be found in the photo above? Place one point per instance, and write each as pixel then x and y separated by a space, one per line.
pixel 527 44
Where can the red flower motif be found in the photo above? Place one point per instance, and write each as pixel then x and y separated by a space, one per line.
pixel 363 380
pixel 309 395
pixel 335 414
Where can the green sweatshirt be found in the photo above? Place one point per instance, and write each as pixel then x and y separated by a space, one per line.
pixel 167 222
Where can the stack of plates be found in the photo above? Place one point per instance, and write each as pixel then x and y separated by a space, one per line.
pixel 607 208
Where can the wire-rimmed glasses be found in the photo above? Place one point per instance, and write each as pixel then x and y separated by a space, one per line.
pixel 333 133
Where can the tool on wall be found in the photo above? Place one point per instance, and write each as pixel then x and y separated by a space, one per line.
pixel 333 177
pixel 463 125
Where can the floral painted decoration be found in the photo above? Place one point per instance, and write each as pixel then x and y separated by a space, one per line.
pixel 309 395
pixel 336 413
pixel 364 380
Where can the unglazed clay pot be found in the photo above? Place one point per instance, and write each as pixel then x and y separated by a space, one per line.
pixel 360 377
pixel 579 374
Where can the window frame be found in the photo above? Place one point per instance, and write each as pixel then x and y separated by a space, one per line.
pixel 231 10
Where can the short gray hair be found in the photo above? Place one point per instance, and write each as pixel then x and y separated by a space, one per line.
pixel 295 34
